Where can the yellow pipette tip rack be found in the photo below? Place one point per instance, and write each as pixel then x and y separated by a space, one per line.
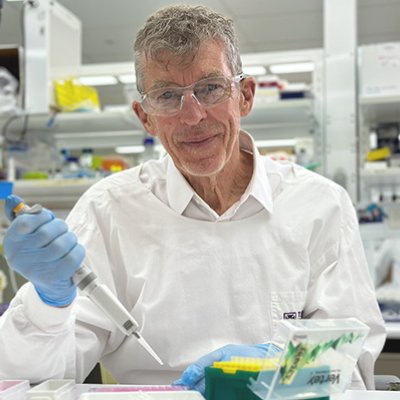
pixel 246 364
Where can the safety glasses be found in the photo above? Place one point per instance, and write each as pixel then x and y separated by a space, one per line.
pixel 208 92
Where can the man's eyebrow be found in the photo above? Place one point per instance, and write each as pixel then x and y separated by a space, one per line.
pixel 163 84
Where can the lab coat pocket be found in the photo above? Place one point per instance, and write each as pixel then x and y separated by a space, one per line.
pixel 287 305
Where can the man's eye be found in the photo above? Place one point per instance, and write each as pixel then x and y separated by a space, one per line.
pixel 212 86
pixel 207 89
pixel 167 95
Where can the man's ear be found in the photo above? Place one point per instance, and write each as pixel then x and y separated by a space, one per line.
pixel 144 118
pixel 247 92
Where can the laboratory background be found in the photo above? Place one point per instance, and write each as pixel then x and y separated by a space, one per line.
pixel 327 98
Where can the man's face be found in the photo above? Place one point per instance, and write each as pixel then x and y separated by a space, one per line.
pixel 201 140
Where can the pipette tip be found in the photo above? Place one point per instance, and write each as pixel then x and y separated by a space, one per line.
pixel 148 348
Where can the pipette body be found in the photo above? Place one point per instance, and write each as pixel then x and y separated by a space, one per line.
pixel 88 282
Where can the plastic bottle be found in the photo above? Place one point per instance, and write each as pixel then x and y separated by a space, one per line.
pixel 86 158
pixel 86 163
pixel 149 152
pixel 71 168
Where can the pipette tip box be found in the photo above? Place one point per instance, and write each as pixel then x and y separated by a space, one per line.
pixel 221 385
pixel 53 389
pixel 13 389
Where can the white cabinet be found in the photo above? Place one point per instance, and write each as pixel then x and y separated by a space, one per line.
pixel 377 181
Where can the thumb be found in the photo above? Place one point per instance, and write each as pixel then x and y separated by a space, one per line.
pixel 11 202
pixel 195 372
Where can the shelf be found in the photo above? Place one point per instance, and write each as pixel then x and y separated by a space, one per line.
pixel 269 120
pixel 79 122
pixel 378 231
pixel 80 130
pixel 381 176
pixel 277 119
pixel 380 108
pixel 52 193
pixel 393 330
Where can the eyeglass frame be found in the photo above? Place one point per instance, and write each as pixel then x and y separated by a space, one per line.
pixel 234 79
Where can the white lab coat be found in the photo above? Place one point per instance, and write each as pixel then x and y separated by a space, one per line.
pixel 196 285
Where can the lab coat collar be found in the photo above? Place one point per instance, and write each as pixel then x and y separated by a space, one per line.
pixel 259 186
pixel 180 193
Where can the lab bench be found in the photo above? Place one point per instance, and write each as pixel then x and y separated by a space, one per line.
pixel 388 362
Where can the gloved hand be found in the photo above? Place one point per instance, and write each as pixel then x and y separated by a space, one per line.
pixel 193 376
pixel 41 249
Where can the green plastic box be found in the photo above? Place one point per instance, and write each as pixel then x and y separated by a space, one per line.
pixel 227 386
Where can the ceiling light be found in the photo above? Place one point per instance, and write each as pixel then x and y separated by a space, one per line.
pixel 276 143
pixel 254 70
pixel 100 80
pixel 136 149
pixel 127 78
pixel 129 149
pixel 292 68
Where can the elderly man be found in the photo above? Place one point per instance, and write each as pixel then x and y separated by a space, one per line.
pixel 208 248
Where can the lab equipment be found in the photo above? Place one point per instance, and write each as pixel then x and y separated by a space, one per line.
pixel 156 395
pixel 13 389
pixel 53 389
pixel 193 376
pixel 318 359
pixel 88 283
pixel 135 388
pixel 8 92
pixel 230 379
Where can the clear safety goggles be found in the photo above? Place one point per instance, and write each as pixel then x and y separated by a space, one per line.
pixel 208 92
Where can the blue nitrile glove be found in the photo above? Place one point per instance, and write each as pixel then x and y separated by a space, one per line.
pixel 193 376
pixel 41 249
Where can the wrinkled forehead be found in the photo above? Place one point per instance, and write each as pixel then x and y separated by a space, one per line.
pixel 209 58
pixel 169 61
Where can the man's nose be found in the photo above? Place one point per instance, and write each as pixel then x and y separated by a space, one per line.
pixel 192 111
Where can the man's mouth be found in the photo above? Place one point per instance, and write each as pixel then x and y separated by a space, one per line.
pixel 198 141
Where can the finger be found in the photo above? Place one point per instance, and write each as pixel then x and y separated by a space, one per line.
pixel 55 250
pixel 71 262
pixel 192 375
pixel 29 223
pixel 178 382
pixel 47 233
pixel 11 202
pixel 15 243
pixel 57 272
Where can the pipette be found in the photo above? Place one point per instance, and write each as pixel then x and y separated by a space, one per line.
pixel 99 293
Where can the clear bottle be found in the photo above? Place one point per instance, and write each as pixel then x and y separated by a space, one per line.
pixel 150 152
pixel 71 168
pixel 86 163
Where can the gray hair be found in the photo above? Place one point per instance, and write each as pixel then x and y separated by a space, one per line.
pixel 180 29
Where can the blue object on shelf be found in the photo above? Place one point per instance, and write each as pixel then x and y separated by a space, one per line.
pixel 6 189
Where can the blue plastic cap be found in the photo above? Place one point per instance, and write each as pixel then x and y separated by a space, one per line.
pixel 148 140
pixel 6 189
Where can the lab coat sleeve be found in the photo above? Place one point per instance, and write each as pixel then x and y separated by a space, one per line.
pixel 36 340
pixel 341 286
pixel 41 342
